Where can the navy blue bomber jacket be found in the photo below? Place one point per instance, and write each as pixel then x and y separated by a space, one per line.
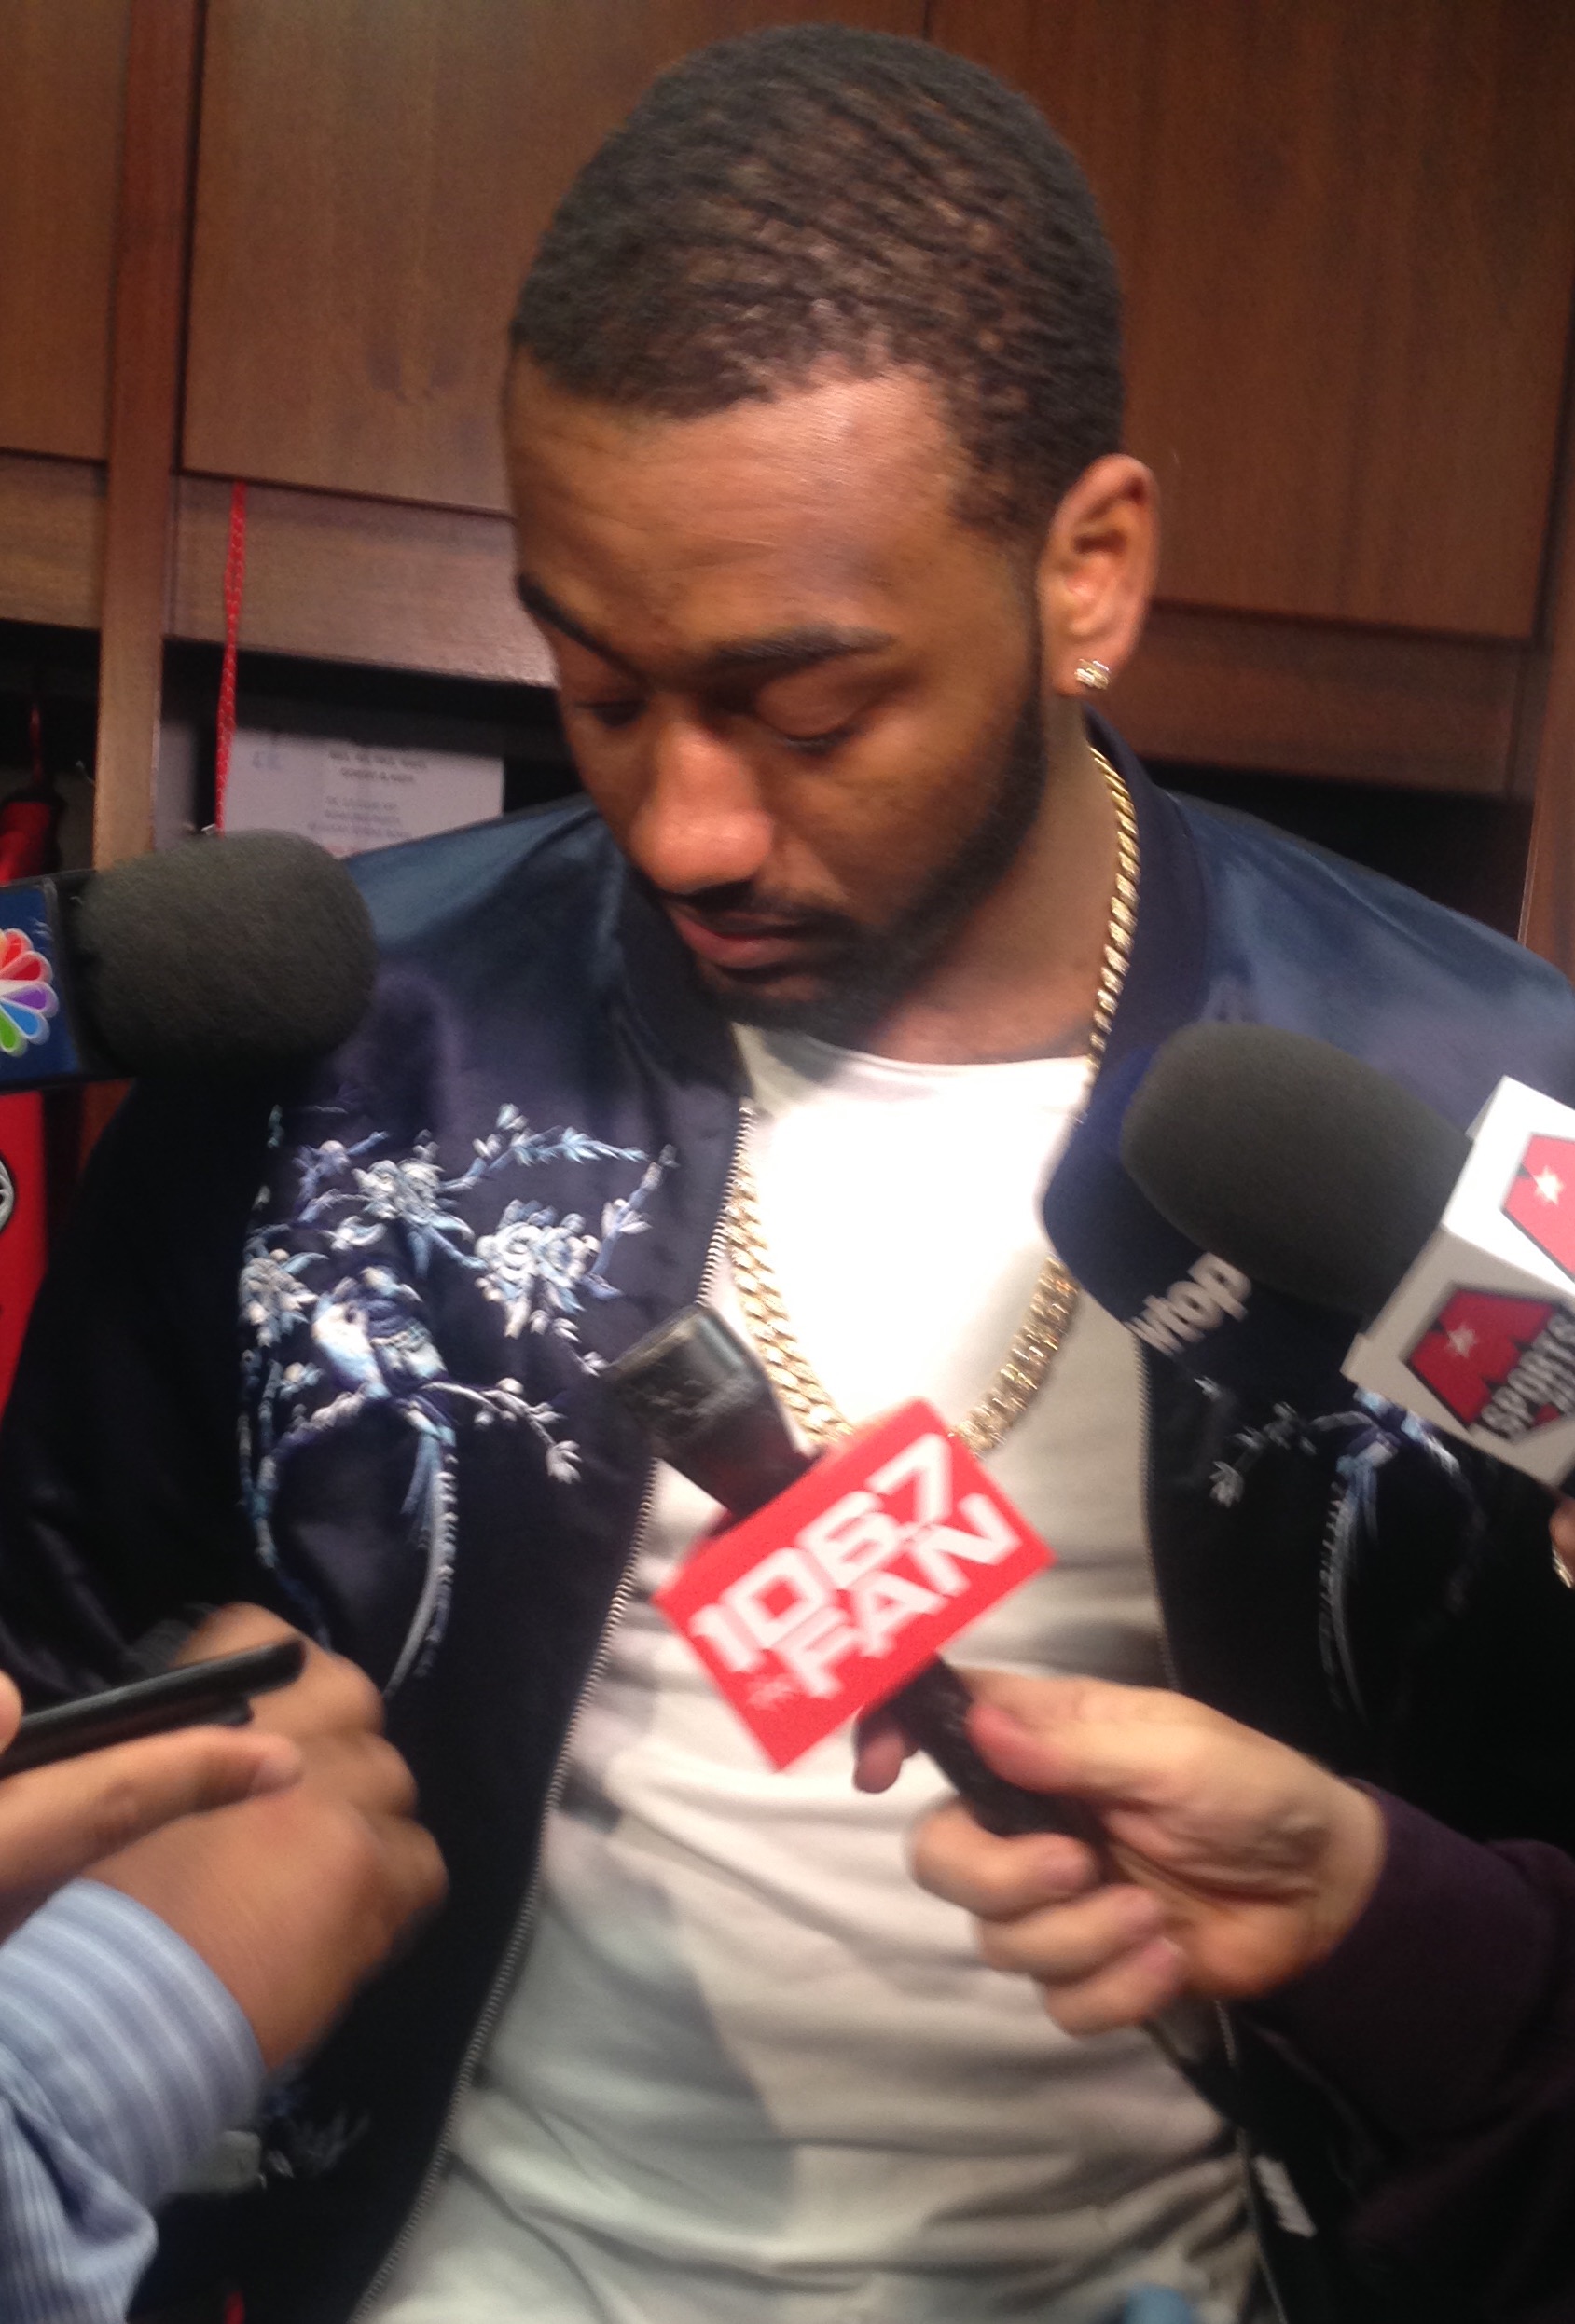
pixel 514 1169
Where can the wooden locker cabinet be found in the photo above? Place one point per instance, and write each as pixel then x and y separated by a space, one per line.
pixel 1346 231
pixel 63 74
pixel 374 176
pixel 63 71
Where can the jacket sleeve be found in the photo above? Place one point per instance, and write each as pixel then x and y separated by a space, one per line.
pixel 1446 2020
pixel 120 1471
pixel 121 2059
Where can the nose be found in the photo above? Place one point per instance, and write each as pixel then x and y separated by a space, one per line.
pixel 700 821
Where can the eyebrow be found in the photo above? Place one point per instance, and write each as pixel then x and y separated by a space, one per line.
pixel 797 648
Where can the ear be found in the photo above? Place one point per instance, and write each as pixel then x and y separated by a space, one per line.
pixel 1096 570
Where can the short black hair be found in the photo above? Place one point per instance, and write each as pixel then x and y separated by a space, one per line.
pixel 816 196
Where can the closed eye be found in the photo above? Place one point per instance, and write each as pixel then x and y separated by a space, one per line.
pixel 611 714
pixel 817 746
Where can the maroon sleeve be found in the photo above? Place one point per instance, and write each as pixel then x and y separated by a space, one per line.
pixel 1446 2016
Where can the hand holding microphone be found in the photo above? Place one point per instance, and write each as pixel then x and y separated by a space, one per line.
pixel 1234 1865
pixel 708 1408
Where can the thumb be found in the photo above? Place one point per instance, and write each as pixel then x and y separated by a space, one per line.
pixel 1036 1758
pixel 10 1710
pixel 1094 1741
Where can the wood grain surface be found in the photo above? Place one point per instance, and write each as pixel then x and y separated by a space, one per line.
pixel 144 401
pixel 52 539
pixel 1347 237
pixel 374 177
pixel 350 580
pixel 63 70
pixel 1548 919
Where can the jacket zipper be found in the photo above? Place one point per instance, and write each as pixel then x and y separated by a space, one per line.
pixel 1167 1664
pixel 518 1945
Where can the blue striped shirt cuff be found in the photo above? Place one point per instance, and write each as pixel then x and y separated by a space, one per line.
pixel 144 2056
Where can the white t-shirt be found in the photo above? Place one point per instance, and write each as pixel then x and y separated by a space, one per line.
pixel 750 2074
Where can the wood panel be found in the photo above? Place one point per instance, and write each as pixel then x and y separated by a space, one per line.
pixel 51 540
pixel 145 388
pixel 375 174
pixel 62 69
pixel 1548 919
pixel 1300 699
pixel 1348 235
pixel 358 581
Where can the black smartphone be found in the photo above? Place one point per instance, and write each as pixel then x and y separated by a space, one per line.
pixel 199 1694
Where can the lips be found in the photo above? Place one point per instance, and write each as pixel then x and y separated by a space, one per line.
pixel 742 946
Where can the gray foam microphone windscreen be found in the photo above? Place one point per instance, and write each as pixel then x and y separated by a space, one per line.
pixel 1312 1171
pixel 225 955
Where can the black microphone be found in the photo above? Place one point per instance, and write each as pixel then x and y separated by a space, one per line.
pixel 706 1407
pixel 225 956
pixel 1182 1296
pixel 1305 1168
pixel 1450 1259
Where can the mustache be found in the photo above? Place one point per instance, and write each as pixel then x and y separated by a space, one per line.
pixel 741 904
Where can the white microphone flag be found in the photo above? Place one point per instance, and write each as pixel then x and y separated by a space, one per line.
pixel 1479 1337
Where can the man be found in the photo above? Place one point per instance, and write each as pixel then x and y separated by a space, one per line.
pixel 814 423
pixel 1429 1979
pixel 220 1928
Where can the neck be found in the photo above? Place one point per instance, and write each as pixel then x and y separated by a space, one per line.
pixel 1020 976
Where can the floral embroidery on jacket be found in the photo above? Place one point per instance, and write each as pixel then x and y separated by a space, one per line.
pixel 1365 1437
pixel 333 1306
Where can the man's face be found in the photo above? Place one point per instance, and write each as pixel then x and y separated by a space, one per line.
pixel 802 692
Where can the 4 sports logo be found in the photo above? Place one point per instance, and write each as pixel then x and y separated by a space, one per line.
pixel 1499 1361
pixel 1542 1201
pixel 820 1605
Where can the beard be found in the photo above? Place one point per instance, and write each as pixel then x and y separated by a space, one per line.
pixel 861 971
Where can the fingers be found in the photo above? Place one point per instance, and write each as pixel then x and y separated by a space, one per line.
pixel 1036 1900
pixel 56 1822
pixel 10 1710
pixel 1100 1742
pixel 330 1696
pixel 1099 1954
pixel 1127 1991
pixel 1251 1860
pixel 363 1771
pixel 414 1881
pixel 232 1630
pixel 879 1749
pixel 995 1879
pixel 380 1867
pixel 1062 1944
pixel 293 1901
pixel 1562 1529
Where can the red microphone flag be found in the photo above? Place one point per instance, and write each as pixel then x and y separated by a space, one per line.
pixel 826 1601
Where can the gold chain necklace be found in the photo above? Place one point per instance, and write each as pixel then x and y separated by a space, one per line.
pixel 1055 1295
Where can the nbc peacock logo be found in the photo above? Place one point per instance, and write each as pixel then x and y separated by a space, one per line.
pixel 28 999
